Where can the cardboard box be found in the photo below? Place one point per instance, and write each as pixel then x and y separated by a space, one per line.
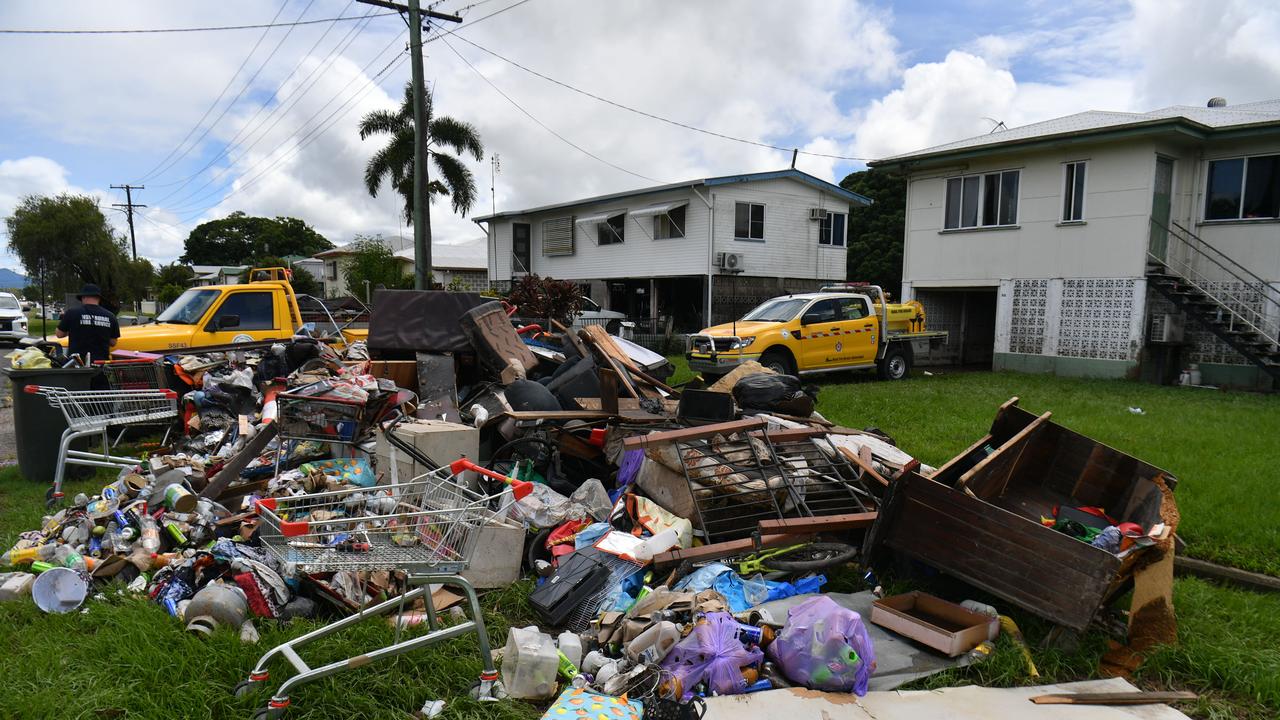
pixel 499 552
pixel 441 441
pixel 939 624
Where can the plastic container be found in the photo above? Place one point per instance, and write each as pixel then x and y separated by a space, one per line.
pixel 38 427
pixel 657 544
pixel 59 590
pixel 652 645
pixel 216 604
pixel 571 645
pixel 530 664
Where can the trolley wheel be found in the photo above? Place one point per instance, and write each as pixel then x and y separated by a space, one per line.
pixel 489 691
pixel 814 556
pixel 248 687
pixel 51 498
pixel 268 713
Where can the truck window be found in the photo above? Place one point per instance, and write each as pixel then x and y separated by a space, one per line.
pixel 853 308
pixel 188 308
pixel 823 311
pixel 256 310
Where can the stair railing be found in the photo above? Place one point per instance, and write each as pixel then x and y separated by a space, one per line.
pixel 1235 308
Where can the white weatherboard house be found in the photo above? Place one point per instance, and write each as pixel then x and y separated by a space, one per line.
pixel 689 254
pixel 1104 243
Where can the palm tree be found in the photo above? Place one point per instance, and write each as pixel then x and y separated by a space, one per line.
pixel 395 160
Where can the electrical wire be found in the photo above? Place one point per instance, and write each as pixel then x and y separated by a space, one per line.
pixel 231 143
pixel 541 124
pixel 653 116
pixel 150 173
pixel 272 24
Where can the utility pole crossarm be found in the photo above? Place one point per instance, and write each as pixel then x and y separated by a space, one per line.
pixel 404 8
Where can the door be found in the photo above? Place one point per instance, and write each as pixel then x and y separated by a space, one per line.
pixel 521 250
pixel 1161 205
pixel 859 339
pixel 820 327
pixel 241 317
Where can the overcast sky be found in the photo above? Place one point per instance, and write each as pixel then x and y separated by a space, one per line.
pixel 265 121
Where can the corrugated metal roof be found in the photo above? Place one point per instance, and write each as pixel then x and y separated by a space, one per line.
pixel 470 255
pixel 1267 111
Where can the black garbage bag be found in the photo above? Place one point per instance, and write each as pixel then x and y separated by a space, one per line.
pixel 774 393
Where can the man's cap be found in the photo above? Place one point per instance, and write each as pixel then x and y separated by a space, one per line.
pixel 89 290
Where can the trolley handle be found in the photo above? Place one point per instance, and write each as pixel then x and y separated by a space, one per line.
pixel 519 488
pixel 267 506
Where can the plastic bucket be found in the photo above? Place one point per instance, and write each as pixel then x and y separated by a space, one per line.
pixel 59 590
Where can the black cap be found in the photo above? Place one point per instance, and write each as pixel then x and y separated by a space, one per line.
pixel 89 290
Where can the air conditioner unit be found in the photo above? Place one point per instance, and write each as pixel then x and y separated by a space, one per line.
pixel 1166 328
pixel 733 262
pixel 817 214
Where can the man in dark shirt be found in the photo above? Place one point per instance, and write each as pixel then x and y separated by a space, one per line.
pixel 92 328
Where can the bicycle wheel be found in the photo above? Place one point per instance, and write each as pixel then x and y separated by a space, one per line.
pixel 811 557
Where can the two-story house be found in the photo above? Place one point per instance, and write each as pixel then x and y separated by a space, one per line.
pixel 692 253
pixel 1100 242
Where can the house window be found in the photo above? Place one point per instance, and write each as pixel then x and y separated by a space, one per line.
pixel 557 236
pixel 1073 192
pixel 669 224
pixel 612 230
pixel 748 221
pixel 331 270
pixel 831 231
pixel 989 200
pixel 521 252
pixel 1243 188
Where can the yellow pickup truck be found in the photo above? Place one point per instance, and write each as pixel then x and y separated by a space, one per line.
pixel 265 308
pixel 846 327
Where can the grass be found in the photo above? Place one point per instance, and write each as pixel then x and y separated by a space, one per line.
pixel 124 657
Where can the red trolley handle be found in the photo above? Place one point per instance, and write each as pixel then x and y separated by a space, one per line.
pixel 519 488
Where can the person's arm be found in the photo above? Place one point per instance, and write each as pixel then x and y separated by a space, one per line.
pixel 115 332
pixel 64 325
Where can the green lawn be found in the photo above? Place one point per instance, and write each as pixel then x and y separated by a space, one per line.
pixel 126 658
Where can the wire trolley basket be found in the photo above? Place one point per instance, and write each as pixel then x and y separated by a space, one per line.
pixel 135 375
pixel 428 524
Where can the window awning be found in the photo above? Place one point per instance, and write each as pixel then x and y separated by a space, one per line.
pixel 659 209
pixel 598 217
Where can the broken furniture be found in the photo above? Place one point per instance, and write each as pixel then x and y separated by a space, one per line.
pixel 978 518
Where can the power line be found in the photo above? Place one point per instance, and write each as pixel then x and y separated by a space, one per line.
pixel 541 124
pixel 250 128
pixel 230 81
pixel 247 84
pixel 272 24
pixel 653 116
pixel 128 205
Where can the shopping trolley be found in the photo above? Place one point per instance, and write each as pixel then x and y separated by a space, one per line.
pixel 137 375
pixel 427 528
pixel 94 412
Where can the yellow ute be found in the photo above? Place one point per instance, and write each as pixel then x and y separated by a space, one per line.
pixel 840 328
pixel 265 308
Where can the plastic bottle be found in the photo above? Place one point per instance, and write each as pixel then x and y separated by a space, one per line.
pixel 15 556
pixel 66 556
pixel 148 532
pixel 657 544
pixel 652 645
pixel 571 645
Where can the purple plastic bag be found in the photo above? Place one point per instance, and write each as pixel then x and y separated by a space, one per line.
pixel 712 652
pixel 825 647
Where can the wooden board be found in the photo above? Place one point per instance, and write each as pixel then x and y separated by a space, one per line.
pixel 661 438
pixel 725 549
pixel 828 523
pixel 990 476
pixel 1118 698
pixel 1036 568
pixel 231 469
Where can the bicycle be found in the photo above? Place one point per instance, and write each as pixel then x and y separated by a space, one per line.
pixel 799 558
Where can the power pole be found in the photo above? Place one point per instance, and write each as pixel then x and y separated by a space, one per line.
pixel 128 208
pixel 494 165
pixel 422 269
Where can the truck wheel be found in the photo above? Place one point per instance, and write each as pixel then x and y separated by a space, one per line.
pixel 778 361
pixel 896 364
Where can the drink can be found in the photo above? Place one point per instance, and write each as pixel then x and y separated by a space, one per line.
pixel 40 566
pixel 175 532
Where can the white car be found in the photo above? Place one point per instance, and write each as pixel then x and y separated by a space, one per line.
pixel 13 321
pixel 614 322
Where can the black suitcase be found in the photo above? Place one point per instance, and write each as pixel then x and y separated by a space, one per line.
pixel 579 576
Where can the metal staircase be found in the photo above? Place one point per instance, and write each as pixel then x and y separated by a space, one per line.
pixel 1239 307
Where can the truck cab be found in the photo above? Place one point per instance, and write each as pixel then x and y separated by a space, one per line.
pixel 265 308
pixel 840 328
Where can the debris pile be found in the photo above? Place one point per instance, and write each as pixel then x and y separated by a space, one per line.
pixel 680 539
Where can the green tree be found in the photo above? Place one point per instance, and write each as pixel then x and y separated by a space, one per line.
pixel 69 238
pixel 395 160
pixel 372 260
pixel 240 239
pixel 876 231
pixel 171 280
